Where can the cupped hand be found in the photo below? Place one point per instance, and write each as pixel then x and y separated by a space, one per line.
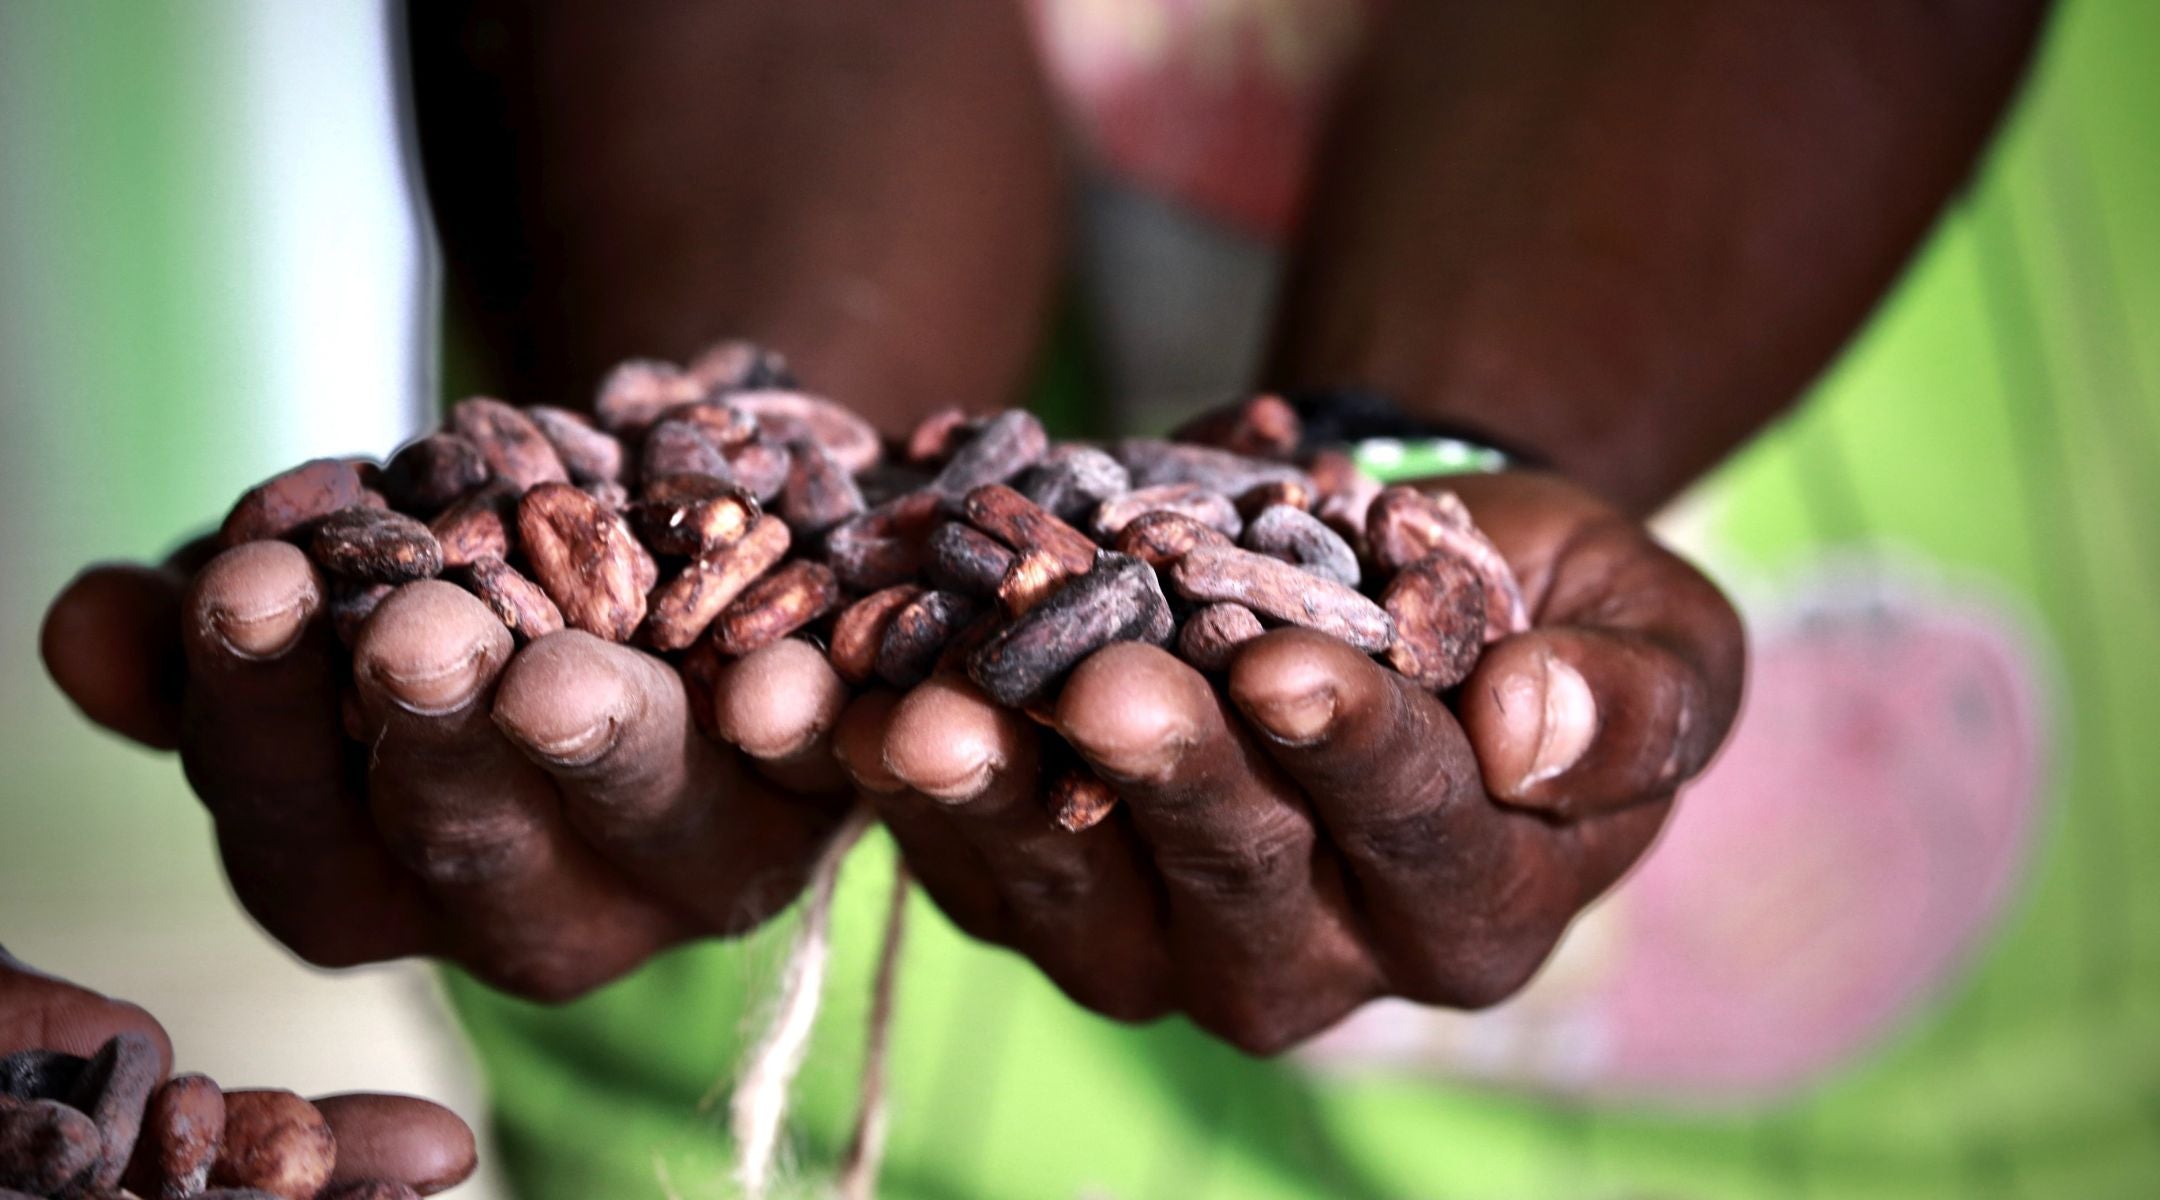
pixel 1319 832
pixel 546 816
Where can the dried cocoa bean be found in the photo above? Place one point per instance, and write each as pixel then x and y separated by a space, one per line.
pixel 513 446
pixel 966 560
pixel 1008 444
pixel 610 493
pixel 183 1129
pixel 693 515
pixel 47 1148
pixel 938 435
pixel 1287 493
pixel 739 364
pixel 1031 579
pixel 113 1089
pixel 370 1189
pixel 588 454
pixel 637 392
pixel 1346 493
pixel 1278 591
pixel 1212 509
pixel 1071 482
pixel 430 473
pixel 418 1143
pixel 1438 606
pixel 1120 600
pixel 761 467
pixel 686 606
pixel 860 630
pixel 819 493
pixel 482 525
pixel 236 1194
pixel 725 425
pixel 1161 538
pixel 852 441
pixel 918 634
pixel 889 481
pixel 1079 801
pixel 1406 525
pixel 1211 636
pixel 1300 538
pixel 284 503
pixel 351 604
pixel 1263 426
pixel 676 447
pixel 40 1074
pixel 885 545
pixel 586 560
pixel 373 545
pixel 518 601
pixel 776 606
pixel 1154 462
pixel 276 1142
pixel 1021 524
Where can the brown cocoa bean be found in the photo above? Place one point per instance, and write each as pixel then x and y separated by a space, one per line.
pixel 370 1189
pixel 40 1074
pixel 113 1089
pixel 1212 509
pixel 852 441
pixel 402 1140
pixel 585 559
pixel 1346 493
pixel 761 467
pixel 723 424
pixel 429 474
pixel 1406 525
pixel 686 605
pixel 588 454
pixel 692 515
pixel 516 600
pixel 1278 591
pixel 235 1194
pixel 1161 538
pixel 966 560
pixel 676 447
pixel 1120 600
pixel 819 492
pixel 276 1142
pixel 1287 493
pixel 1021 524
pixel 937 436
pixel 1008 444
pixel 1211 636
pixel 182 1130
pixel 482 525
pixel 637 392
pixel 884 546
pixel 610 493
pixel 374 545
pixel 1071 481
pixel 513 446
pixel 776 606
pixel 1438 606
pixel 1302 539
pixel 860 630
pixel 1079 801
pixel 1263 426
pixel 1154 462
pixel 1031 579
pixel 739 364
pixel 918 634
pixel 889 481
pixel 351 604
pixel 47 1148
pixel 286 502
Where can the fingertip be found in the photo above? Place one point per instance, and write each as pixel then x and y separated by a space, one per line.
pixel 776 702
pixel 1132 709
pixel 253 602
pixel 1530 714
pixel 111 642
pixel 431 648
pixel 564 699
pixel 949 741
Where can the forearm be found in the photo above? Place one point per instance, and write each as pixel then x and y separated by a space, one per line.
pixel 1628 234
pixel 870 186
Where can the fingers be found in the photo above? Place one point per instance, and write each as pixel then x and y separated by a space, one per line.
pixel 262 746
pixel 778 705
pixel 611 727
pixel 528 905
pixel 112 642
pixel 1466 898
pixel 1260 935
pixel 40 1012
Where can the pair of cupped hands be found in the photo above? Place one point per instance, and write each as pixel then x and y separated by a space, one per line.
pixel 1299 836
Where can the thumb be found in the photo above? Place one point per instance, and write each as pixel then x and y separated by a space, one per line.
pixel 111 640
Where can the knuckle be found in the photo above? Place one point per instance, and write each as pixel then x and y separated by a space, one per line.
pixel 1262 861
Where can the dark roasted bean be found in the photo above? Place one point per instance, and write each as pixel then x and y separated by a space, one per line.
pixel 586 560
pixel 1212 509
pixel 859 631
pixel 430 473
pixel 1298 537
pixel 918 634
pixel 819 493
pixel 285 503
pixel 1438 606
pixel 885 545
pixel 374 545
pixel 776 606
pixel 482 525
pixel 1278 591
pixel 1120 600
pixel 513 446
pixel 686 606
pixel 1161 538
pixel 520 603
pixel 852 441
pixel 1021 524
pixel 1071 482
pixel 1154 462
pixel 1008 444
pixel 677 447
pixel 963 559
pixel 588 454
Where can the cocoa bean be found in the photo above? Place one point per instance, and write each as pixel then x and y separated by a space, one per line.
pixel 236 1194
pixel 1031 579
pixel 47 1148
pixel 885 545
pixel 1288 493
pixel 675 447
pixel 401 1140
pixel 852 441
pixel 1211 636
pixel 819 493
pixel 1263 426
pixel 374 545
pixel 918 634
pixel 518 601
pixel 1079 801
pixel 183 1129
pixel 40 1074
pixel 430 473
pixel 284 503
pixel 275 1142
pixel 1008 444
pixel 966 560
pixel 684 607
pixel 723 424
pixel 1278 591
pixel 609 493
pixel 351 604
pixel 889 481
pixel 1405 525
pixel 1438 606
pixel 692 515
pixel 1300 538
pixel 1071 482
pixel 1021 524
pixel 1154 462
pixel 937 436
pixel 1120 600
pixel 113 1089
pixel 737 364
pixel 700 670
pixel 860 630
pixel 513 446
pixel 585 558
pixel 588 454
pixel 370 1189
pixel 776 606
pixel 637 392
pixel 1212 509
pixel 761 467
pixel 1161 538
pixel 1346 508
pixel 482 525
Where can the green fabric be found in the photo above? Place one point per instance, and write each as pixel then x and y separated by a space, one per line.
pixel 1997 419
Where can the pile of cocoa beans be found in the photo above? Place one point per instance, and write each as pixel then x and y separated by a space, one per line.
pixel 703 512
pixel 105 1127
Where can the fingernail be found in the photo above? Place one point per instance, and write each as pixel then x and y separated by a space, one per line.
pixel 265 632
pixel 1568 724
pixel 580 749
pixel 434 691
pixel 1299 719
